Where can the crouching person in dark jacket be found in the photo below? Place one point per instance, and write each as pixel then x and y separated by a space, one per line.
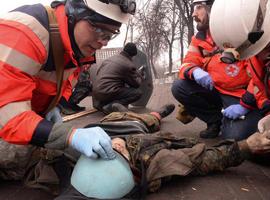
pixel 117 80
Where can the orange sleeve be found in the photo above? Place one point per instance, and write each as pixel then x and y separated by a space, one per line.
pixel 19 129
pixel 192 59
pixel 22 57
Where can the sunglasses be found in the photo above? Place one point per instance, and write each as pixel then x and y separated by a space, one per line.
pixel 104 33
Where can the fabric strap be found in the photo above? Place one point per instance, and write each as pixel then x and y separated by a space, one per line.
pixel 58 55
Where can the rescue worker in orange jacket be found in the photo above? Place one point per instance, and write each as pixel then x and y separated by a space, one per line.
pixel 28 72
pixel 259 88
pixel 252 39
pixel 258 93
pixel 207 84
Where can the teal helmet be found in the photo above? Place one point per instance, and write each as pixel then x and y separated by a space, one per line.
pixel 103 179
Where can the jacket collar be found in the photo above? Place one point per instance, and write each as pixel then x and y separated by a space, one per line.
pixel 201 35
pixel 205 36
pixel 63 29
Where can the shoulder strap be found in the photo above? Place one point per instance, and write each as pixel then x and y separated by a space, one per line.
pixel 58 55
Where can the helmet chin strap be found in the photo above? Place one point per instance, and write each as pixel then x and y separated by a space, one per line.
pixel 257 31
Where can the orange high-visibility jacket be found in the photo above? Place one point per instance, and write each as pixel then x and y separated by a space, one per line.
pixel 27 72
pixel 230 79
pixel 256 93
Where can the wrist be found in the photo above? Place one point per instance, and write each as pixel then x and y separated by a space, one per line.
pixel 244 148
pixel 59 136
pixel 245 110
pixel 70 137
pixel 42 133
pixel 197 69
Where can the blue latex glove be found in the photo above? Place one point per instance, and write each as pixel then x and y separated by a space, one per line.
pixel 203 78
pixel 235 111
pixel 93 142
pixel 54 115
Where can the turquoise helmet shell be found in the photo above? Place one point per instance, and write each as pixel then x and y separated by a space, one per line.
pixel 102 179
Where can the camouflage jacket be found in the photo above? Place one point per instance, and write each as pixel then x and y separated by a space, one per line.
pixel 162 155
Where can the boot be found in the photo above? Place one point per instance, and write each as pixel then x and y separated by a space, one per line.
pixel 107 109
pixel 183 116
pixel 117 107
pixel 166 110
pixel 212 131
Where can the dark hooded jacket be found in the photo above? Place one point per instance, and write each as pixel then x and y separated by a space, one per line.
pixel 113 75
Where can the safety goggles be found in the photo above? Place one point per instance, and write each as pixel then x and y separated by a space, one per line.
pixel 104 33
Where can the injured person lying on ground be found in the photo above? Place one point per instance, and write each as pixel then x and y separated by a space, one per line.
pixel 149 158
pixel 146 161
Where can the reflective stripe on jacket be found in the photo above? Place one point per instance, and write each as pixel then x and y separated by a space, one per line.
pixel 256 95
pixel 27 75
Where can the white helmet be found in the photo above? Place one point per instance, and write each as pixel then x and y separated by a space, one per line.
pixel 241 24
pixel 207 2
pixel 114 9
pixel 117 10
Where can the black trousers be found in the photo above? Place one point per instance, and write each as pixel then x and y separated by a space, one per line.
pixel 125 96
pixel 207 106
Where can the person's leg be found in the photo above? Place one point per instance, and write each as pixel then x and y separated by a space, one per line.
pixel 238 129
pixel 201 103
pixel 14 160
pixel 134 122
pixel 125 97
pixel 218 158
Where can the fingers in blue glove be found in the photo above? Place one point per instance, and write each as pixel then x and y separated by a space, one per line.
pixel 208 84
pixel 107 146
pixel 229 115
pixel 235 111
pixel 203 78
pixel 93 142
pixel 89 153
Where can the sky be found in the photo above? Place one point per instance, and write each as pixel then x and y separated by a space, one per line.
pixel 11 4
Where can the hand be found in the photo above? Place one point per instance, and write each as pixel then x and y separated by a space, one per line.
pixel 235 111
pixel 264 124
pixel 142 72
pixel 259 142
pixel 54 115
pixel 203 78
pixel 92 142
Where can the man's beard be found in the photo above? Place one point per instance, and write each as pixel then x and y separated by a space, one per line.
pixel 203 24
pixel 202 27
